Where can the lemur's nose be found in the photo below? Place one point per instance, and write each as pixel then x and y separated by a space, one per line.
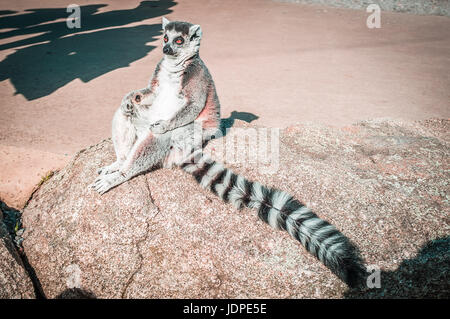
pixel 129 106
pixel 168 49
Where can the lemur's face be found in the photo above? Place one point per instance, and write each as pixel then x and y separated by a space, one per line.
pixel 174 42
pixel 180 39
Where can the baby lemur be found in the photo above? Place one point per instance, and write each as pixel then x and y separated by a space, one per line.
pixel 158 126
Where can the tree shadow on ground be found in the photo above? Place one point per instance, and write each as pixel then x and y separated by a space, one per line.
pixel 67 54
pixel 5 12
pixel 425 276
pixel 12 221
pixel 228 122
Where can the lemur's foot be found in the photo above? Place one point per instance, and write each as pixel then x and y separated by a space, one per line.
pixel 114 167
pixel 104 183
pixel 130 102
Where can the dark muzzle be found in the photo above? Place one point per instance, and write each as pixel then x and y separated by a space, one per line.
pixel 168 49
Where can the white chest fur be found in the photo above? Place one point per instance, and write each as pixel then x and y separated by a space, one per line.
pixel 168 99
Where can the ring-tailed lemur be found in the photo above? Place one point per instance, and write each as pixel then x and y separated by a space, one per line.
pixel 155 126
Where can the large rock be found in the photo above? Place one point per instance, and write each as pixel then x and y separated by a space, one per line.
pixel 14 280
pixel 384 184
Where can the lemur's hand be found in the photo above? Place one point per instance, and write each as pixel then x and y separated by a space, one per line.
pixel 160 127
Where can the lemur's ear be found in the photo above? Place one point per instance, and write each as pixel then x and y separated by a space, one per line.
pixel 195 32
pixel 164 22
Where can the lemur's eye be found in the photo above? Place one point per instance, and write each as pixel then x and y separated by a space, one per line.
pixel 166 38
pixel 137 98
pixel 179 40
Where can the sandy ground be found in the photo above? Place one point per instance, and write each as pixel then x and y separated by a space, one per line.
pixel 284 63
pixel 436 7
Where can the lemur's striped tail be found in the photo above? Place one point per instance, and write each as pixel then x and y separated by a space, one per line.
pixel 281 210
